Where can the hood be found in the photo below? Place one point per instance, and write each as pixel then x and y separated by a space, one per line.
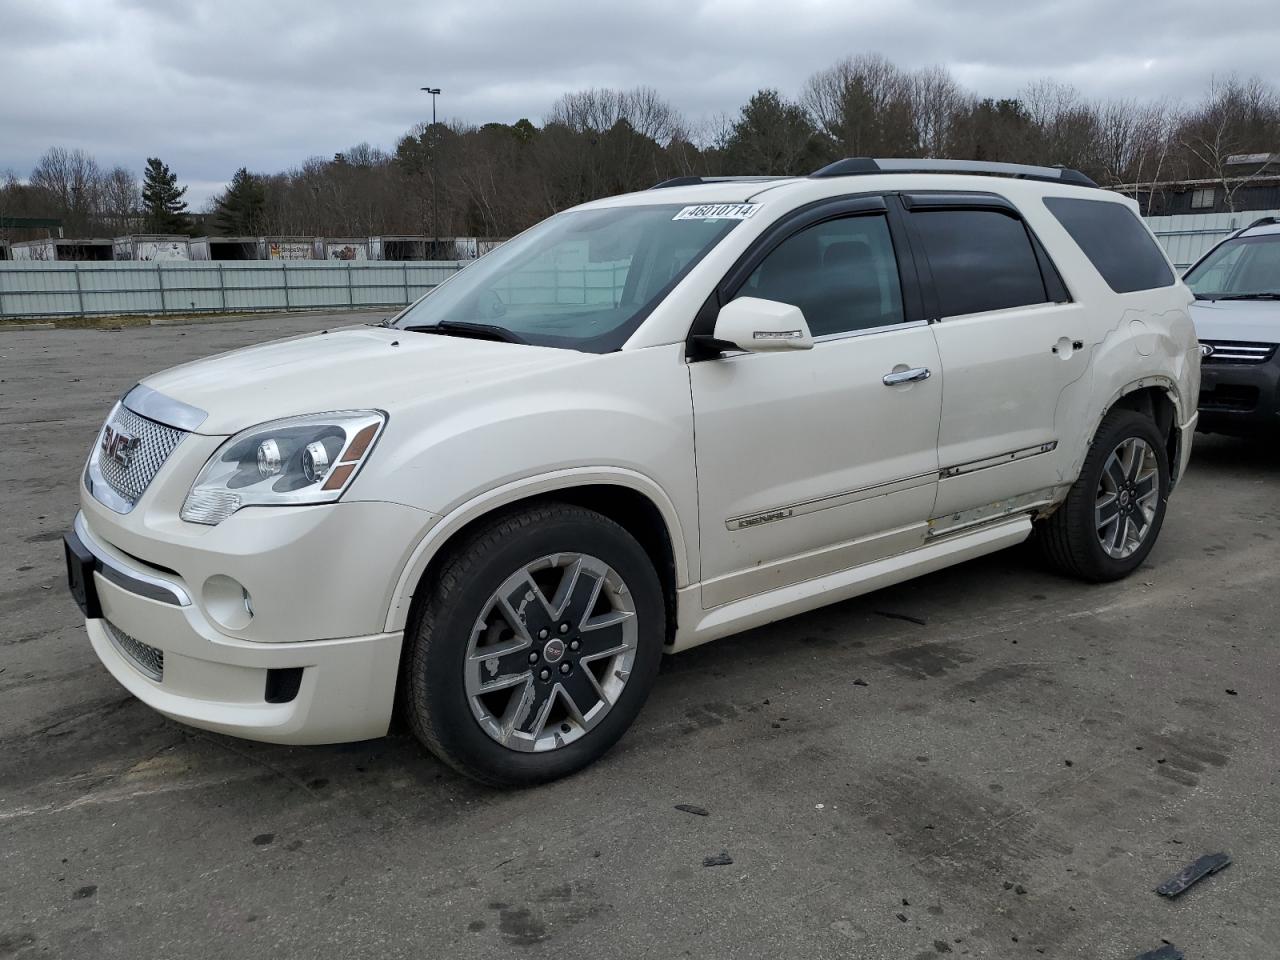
pixel 1252 321
pixel 352 368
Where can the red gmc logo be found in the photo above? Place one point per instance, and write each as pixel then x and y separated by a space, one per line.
pixel 118 445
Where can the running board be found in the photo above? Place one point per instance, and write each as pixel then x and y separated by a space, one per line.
pixel 699 626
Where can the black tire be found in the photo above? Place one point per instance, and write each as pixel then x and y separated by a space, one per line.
pixel 1069 539
pixel 436 702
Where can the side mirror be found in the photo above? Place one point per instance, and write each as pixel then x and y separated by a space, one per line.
pixel 760 326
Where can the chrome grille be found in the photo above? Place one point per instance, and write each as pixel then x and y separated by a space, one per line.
pixel 155 443
pixel 1233 351
pixel 148 660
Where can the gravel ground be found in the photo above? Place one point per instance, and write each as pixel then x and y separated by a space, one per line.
pixel 1010 776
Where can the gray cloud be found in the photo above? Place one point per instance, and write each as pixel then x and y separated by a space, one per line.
pixel 210 87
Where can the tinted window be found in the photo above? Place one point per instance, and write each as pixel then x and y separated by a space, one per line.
pixel 981 260
pixel 841 274
pixel 1115 241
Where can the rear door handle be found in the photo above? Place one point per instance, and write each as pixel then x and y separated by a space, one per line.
pixel 914 375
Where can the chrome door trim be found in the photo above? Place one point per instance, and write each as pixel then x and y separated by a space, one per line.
pixel 830 501
pixel 998 460
pixel 154 405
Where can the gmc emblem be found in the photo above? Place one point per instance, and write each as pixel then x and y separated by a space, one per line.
pixel 118 445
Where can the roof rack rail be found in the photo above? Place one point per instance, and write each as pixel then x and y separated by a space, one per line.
pixel 1261 222
pixel 856 166
pixel 694 181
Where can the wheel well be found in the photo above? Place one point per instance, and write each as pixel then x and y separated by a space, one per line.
pixel 1154 402
pixel 628 508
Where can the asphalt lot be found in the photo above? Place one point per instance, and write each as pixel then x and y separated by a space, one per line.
pixel 1015 776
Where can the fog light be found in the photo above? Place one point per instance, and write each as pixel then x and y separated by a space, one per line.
pixel 227 602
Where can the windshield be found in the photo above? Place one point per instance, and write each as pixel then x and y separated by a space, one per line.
pixel 585 279
pixel 1241 268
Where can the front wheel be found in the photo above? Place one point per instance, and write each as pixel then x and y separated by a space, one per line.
pixel 1113 513
pixel 536 647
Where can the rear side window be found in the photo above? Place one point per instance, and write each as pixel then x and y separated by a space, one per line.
pixel 1115 241
pixel 980 259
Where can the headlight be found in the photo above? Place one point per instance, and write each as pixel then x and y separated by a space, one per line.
pixel 300 460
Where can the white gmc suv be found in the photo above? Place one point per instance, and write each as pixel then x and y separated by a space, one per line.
pixel 648 422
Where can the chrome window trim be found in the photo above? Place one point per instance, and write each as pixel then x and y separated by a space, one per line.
pixel 153 405
pixel 867 331
pixel 131 579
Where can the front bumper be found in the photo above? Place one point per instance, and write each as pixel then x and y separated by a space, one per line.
pixel 155 629
pixel 1240 399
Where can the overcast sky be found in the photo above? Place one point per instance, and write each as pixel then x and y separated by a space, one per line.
pixel 215 85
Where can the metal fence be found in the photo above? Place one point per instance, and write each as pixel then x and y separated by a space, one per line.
pixel 1187 237
pixel 47 290
pixel 36 290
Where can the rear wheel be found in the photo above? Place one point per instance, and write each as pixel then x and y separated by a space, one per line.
pixel 536 647
pixel 1113 513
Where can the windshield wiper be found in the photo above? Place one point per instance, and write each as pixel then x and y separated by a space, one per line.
pixel 462 328
pixel 1248 296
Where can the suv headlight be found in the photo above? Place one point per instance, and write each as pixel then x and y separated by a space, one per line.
pixel 299 460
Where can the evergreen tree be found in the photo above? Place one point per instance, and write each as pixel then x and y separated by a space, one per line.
pixel 162 199
pixel 240 209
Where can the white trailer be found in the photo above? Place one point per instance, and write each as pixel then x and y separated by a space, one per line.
pixel 57 249
pixel 398 248
pixel 289 248
pixel 151 246
pixel 224 248
pixel 346 248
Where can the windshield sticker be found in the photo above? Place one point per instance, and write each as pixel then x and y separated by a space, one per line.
pixel 718 211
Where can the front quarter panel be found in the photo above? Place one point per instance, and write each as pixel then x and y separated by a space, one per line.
pixel 624 415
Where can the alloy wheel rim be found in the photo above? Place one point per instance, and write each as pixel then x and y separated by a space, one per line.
pixel 1127 497
pixel 551 652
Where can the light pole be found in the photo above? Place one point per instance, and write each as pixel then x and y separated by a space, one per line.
pixel 435 210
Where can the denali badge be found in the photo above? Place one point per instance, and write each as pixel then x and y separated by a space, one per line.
pixel 118 445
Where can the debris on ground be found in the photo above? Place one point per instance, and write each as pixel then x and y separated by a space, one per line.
pixel 721 859
pixel 1193 872
pixel 919 621
pixel 694 809
pixel 1167 952
pixel 859 682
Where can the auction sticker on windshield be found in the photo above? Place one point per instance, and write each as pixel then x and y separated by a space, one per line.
pixel 718 211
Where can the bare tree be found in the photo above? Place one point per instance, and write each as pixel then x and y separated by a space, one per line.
pixel 71 181
pixel 1236 117
pixel 119 199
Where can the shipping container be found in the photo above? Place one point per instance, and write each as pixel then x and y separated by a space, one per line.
pixel 224 248
pixel 149 247
pixel 346 248
pixel 51 249
pixel 289 248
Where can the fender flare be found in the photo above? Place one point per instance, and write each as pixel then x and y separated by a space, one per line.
pixel 477 506
pixel 1165 383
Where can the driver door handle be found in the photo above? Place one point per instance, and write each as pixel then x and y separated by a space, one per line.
pixel 914 375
